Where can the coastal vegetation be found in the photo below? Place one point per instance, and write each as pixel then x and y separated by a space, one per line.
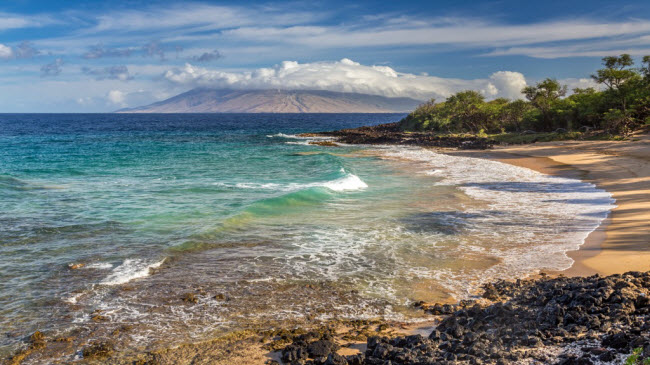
pixel 619 106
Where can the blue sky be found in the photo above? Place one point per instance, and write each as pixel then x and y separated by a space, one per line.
pixel 100 56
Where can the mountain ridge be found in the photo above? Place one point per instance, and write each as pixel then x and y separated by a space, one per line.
pixel 205 100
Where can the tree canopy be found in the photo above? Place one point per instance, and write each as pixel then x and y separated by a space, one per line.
pixel 620 105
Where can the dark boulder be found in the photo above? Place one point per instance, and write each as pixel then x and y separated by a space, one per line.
pixel 335 359
pixel 321 348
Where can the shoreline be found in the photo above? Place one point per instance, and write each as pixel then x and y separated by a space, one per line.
pixel 622 168
pixel 592 244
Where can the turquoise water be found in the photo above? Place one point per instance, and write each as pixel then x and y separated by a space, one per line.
pixel 125 213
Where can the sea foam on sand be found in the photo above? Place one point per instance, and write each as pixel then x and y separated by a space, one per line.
pixel 538 217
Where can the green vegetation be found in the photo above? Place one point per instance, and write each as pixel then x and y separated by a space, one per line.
pixel 635 358
pixel 621 106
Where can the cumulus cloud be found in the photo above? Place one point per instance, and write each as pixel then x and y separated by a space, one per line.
pixel 111 73
pixel 5 52
pixel 507 84
pixel 52 69
pixel 22 51
pixel 208 56
pixel 347 76
pixel 116 97
pixel 135 97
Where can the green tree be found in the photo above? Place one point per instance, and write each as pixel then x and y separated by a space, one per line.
pixel 493 114
pixel 645 69
pixel 543 96
pixel 513 115
pixel 588 107
pixel 618 76
pixel 622 105
pixel 465 112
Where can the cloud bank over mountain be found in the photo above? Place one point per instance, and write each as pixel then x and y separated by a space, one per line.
pixel 73 55
pixel 348 76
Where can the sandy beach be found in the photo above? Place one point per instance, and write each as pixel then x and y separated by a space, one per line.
pixel 622 242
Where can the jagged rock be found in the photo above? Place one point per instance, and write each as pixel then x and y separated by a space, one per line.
pixel 190 298
pixel 293 353
pixel 321 348
pixel 391 134
pixel 335 359
pixel 604 315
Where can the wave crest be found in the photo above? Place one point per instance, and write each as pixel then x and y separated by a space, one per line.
pixel 348 182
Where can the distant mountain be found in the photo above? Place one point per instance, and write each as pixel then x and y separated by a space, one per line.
pixel 275 101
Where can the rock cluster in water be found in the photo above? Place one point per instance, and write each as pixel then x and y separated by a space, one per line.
pixel 561 320
pixel 391 134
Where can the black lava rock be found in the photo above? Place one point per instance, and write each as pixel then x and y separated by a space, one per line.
pixel 604 316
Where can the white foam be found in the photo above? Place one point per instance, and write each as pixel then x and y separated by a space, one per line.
pixel 553 214
pixel 129 270
pixel 99 266
pixel 295 136
pixel 72 299
pixel 269 186
pixel 346 183
pixel 282 135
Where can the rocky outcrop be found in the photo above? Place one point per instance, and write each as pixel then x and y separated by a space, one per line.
pixel 391 134
pixel 549 321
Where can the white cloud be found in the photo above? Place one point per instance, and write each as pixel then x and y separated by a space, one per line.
pixel 135 97
pixel 455 31
pixel 561 52
pixel 283 27
pixel 5 52
pixel 116 97
pixel 24 50
pixel 581 83
pixel 347 76
pixel 508 84
pixel 199 17
pixel 17 21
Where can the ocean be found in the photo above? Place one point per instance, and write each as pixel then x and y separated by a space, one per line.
pixel 109 220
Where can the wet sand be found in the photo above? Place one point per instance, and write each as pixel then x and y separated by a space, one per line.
pixel 622 242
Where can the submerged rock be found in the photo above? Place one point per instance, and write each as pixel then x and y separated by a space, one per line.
pixel 190 298
pixel 77 266
pixel 98 350
pixel 324 143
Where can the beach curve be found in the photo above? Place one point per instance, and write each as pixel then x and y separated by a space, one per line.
pixel 622 168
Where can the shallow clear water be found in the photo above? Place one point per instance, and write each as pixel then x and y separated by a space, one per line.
pixel 155 206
